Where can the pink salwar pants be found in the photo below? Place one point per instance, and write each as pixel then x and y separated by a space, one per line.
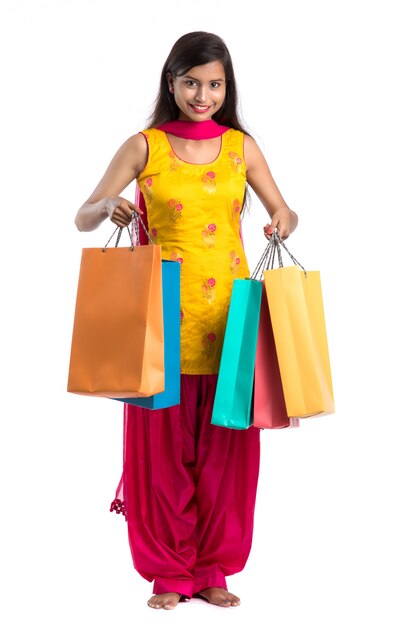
pixel 188 491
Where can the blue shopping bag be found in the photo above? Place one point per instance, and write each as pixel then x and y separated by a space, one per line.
pixel 234 390
pixel 171 320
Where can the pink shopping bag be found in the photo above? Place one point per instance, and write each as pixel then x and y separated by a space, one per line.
pixel 269 403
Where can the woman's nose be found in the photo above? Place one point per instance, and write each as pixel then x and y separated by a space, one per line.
pixel 201 94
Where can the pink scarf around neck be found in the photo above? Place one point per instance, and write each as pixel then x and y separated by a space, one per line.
pixel 194 130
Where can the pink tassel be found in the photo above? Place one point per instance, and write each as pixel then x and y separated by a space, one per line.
pixel 118 506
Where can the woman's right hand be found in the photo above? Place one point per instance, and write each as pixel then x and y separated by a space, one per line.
pixel 120 210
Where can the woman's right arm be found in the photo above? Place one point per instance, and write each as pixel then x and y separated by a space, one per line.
pixel 105 201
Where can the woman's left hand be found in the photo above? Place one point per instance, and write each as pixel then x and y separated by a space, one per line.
pixel 280 220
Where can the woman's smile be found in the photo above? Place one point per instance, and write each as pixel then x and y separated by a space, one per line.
pixel 199 108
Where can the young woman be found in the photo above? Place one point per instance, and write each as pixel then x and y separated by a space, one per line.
pixel 188 487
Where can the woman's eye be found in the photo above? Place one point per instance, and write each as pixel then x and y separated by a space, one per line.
pixel 214 85
pixel 190 83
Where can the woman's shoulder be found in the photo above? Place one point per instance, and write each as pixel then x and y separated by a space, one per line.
pixel 137 142
pixel 133 152
pixel 234 144
pixel 154 138
pixel 251 148
pixel 234 138
pixel 233 132
pixel 152 132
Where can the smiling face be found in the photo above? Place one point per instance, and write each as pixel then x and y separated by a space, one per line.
pixel 200 93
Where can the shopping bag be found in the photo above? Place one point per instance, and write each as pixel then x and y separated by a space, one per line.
pixel 171 315
pixel 117 347
pixel 297 316
pixel 234 390
pixel 269 404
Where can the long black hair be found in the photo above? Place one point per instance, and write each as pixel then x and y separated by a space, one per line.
pixel 192 49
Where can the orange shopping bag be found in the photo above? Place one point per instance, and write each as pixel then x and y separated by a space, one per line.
pixel 117 346
pixel 298 321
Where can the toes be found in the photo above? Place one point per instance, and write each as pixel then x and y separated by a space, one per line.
pixel 230 600
pixel 153 603
pixel 163 601
pixel 219 596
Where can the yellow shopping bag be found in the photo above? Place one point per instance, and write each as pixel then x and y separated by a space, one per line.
pixel 298 321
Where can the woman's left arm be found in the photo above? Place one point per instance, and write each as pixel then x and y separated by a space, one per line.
pixel 261 181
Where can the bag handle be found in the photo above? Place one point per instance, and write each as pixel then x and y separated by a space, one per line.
pixel 136 217
pixel 295 261
pixel 266 261
pixel 136 227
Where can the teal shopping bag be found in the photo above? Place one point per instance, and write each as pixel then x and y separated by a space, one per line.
pixel 171 321
pixel 234 391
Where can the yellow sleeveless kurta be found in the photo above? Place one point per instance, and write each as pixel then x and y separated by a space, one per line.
pixel 194 213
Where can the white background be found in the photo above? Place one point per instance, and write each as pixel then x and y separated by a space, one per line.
pixel 328 89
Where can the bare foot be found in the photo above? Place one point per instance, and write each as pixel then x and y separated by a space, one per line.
pixel 164 601
pixel 219 596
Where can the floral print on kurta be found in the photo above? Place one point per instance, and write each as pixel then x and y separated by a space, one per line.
pixel 208 343
pixel 235 262
pixel 236 209
pixel 209 182
pixel 208 289
pixel 236 161
pixel 175 208
pixel 208 234
pixel 176 256
pixel 148 190
pixel 175 162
